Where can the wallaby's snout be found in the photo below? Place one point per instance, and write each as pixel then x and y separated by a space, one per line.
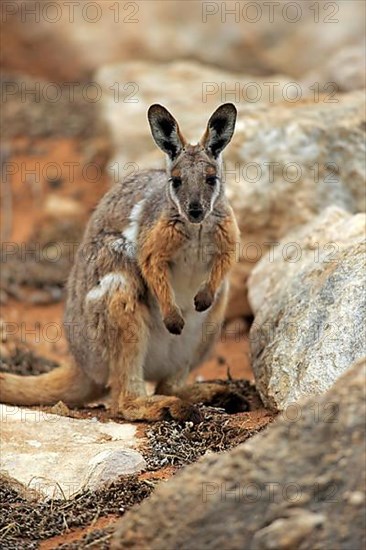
pixel 193 186
pixel 195 212
pixel 194 171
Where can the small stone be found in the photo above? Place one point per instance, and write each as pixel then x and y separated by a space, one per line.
pixel 60 408
pixel 107 466
pixel 356 498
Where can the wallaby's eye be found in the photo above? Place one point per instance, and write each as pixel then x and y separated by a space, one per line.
pixel 211 180
pixel 176 182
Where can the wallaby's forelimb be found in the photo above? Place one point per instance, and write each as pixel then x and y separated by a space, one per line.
pixel 158 247
pixel 226 240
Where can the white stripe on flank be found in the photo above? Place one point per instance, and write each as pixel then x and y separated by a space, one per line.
pixel 109 283
pixel 132 230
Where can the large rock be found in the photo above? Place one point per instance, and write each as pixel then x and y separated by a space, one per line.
pixel 288 159
pixel 290 163
pixel 309 299
pixel 310 245
pixel 299 485
pixel 56 456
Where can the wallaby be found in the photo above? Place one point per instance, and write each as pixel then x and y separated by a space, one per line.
pixel 147 293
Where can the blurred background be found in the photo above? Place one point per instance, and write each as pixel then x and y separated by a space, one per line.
pixel 77 79
pixel 62 40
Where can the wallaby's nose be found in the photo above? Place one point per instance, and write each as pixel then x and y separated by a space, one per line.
pixel 195 212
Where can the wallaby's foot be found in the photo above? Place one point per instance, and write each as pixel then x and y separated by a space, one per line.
pixel 158 407
pixel 203 299
pixel 174 321
pixel 216 395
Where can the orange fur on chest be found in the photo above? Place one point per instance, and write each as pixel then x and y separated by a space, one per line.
pixel 158 247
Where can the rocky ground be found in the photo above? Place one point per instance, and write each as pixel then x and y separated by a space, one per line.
pixel 286 470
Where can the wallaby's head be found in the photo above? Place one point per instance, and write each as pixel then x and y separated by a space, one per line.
pixel 194 171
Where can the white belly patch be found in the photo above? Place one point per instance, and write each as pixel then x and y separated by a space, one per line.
pixel 168 353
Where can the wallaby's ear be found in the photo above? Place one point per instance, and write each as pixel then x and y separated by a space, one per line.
pixel 220 129
pixel 165 131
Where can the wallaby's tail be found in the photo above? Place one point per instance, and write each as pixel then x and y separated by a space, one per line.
pixel 66 383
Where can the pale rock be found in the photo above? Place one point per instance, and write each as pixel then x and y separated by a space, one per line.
pixel 312 244
pixel 309 299
pixel 56 456
pixel 287 164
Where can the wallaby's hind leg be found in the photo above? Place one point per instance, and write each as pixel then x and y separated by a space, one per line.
pixel 128 347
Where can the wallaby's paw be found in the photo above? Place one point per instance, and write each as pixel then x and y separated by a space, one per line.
pixel 174 322
pixel 203 299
